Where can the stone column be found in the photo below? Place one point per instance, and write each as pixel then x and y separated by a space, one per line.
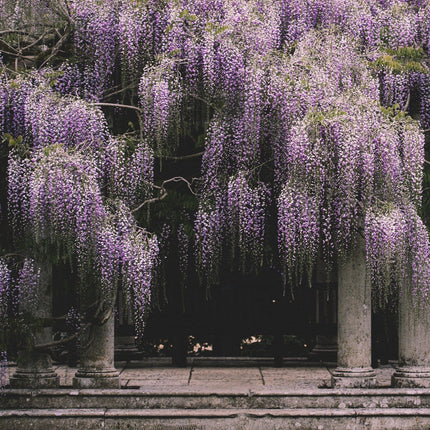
pixel 96 365
pixel 35 367
pixel 354 322
pixel 414 344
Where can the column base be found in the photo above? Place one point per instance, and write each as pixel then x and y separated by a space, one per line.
pixel 411 377
pixel 34 371
pixel 28 379
pixel 360 377
pixel 97 378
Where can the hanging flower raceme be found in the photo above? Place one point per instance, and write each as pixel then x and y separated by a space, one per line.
pixel 254 25
pixel 5 286
pixel 404 80
pixel 128 170
pixel 395 89
pixel 126 256
pixel 14 99
pixel 19 171
pixel 4 98
pixel 424 93
pixel 217 157
pixel 386 252
pixel 230 78
pixel 140 32
pixel 209 228
pixel 160 97
pixel 27 286
pixel 183 255
pixel 140 258
pixel 298 232
pixel 411 151
pixel 246 209
pixel 419 256
pixel 96 41
pixel 398 250
pixel 70 80
pixel 247 125
pixel 107 261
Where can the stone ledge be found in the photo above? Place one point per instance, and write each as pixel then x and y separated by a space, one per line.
pixel 191 391
pixel 214 413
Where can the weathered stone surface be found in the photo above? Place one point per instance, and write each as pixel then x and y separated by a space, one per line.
pixel 216 397
pixel 225 377
pixel 414 344
pixel 354 322
pixel 296 377
pixel 96 368
pixel 410 377
pixel 220 419
pixel 34 371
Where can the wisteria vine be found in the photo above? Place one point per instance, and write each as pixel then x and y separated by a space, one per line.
pixel 310 118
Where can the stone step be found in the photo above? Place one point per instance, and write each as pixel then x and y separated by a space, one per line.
pixel 219 419
pixel 192 398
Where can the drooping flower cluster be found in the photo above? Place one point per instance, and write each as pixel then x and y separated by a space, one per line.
pixel 32 110
pixel 246 211
pixel 209 230
pixel 160 98
pixel 183 255
pixel 27 286
pixel 140 30
pixel 139 262
pixel 298 232
pixel 58 120
pixel 5 285
pixel 304 100
pixel 62 204
pixel 127 168
pixel 398 252
pixel 96 34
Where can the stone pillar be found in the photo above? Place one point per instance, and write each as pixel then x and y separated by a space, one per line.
pixel 354 322
pixel 35 367
pixel 414 344
pixel 96 365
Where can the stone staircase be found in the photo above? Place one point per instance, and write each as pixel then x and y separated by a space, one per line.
pixel 194 408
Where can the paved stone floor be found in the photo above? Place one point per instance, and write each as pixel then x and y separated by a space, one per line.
pixel 222 374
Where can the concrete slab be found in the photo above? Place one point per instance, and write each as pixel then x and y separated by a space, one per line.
pixel 296 378
pixel 295 372
pixel 159 374
pixel 155 383
pixel 225 374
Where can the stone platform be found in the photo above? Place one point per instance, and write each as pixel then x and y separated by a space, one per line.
pixel 218 394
